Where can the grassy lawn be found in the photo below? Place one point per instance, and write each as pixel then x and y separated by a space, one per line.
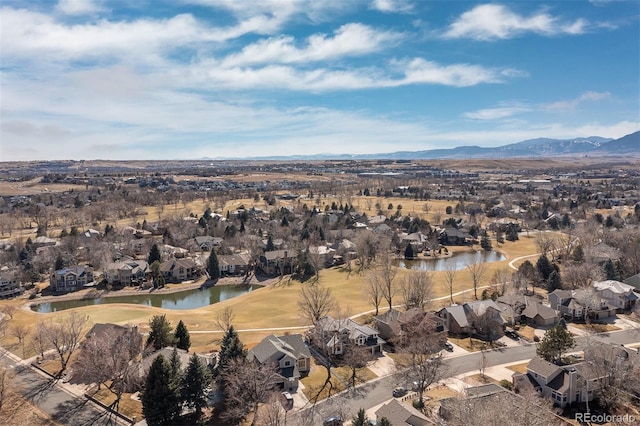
pixel 527 332
pixel 315 380
pixel 596 328
pixel 16 410
pixel 363 374
pixel 470 344
pixel 482 380
pixel 399 358
pixel 127 406
pixel 519 368
pixel 440 392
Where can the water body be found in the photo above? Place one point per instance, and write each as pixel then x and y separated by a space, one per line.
pixel 458 260
pixel 188 299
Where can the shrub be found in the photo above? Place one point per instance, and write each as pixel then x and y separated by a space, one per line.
pixel 506 384
pixel 536 339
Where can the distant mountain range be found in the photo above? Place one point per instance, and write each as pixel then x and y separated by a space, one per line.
pixel 532 148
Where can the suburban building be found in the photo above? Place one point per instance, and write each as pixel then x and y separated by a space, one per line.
pixel 616 294
pixel 335 334
pixel 455 237
pixel 518 308
pixel 233 264
pixel 401 414
pixel 10 285
pixel 178 270
pixel 563 384
pixel 127 272
pixel 571 305
pixel 70 279
pixel 392 324
pixel 289 354
pixel 480 318
pixel 277 262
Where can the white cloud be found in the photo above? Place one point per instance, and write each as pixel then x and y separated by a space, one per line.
pixel 349 40
pixel 79 7
pixel 497 113
pixel 392 6
pixel 460 75
pixel 573 103
pixel 493 21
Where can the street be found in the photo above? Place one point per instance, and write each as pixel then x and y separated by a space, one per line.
pixel 373 393
pixel 44 392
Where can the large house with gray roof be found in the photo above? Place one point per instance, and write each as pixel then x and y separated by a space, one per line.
pixel 70 279
pixel 334 335
pixel 289 354
pixel 616 294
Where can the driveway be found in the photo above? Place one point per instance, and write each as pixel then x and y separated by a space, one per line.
pixel 382 366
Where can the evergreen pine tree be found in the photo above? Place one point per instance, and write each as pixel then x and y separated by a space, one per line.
pixel 360 419
pixel 408 252
pixel 175 367
pixel 285 221
pixel 194 381
pixel 384 422
pixel 553 283
pixel 554 343
pixel 160 403
pixel 544 267
pixel 160 334
pixel 578 254
pixel 610 271
pixel 230 348
pixel 485 243
pixel 182 338
pixel 270 245
pixel 213 268
pixel 59 263
pixel 154 254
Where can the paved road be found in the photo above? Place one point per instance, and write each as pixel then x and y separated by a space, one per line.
pixel 44 392
pixel 379 391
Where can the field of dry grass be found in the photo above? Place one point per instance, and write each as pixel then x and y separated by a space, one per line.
pixel 18 411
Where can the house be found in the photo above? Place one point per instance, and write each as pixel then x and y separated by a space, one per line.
pixel 391 325
pixel 401 414
pixel 453 236
pixel 563 384
pixel 206 242
pixel 519 408
pixel 536 313
pixel 571 305
pixel 418 240
pixel 233 264
pixel 126 273
pixel 178 270
pixel 277 262
pixel 70 279
pixel 10 285
pixel 289 354
pixel 633 281
pixel 616 294
pixel 43 241
pixel 145 364
pixel 480 318
pixel 601 252
pixel 335 334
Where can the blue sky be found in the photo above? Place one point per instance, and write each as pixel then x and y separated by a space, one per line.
pixel 186 79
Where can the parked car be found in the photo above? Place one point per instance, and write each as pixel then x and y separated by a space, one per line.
pixel 399 391
pixel 512 335
pixel 287 400
pixel 448 346
pixel 333 421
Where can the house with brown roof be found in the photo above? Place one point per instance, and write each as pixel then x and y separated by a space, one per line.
pixel 233 264
pixel 401 414
pixel 481 318
pixel 178 270
pixel 392 324
pixel 127 272
pixel 277 262
pixel 563 384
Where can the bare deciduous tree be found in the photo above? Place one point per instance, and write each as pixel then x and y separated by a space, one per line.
pixel 316 301
pixel 248 384
pixel 4 382
pixel 20 332
pixel 450 276
pixel 64 336
pixel 373 289
pixel 272 413
pixel 477 270
pixel 387 272
pixel 355 358
pixel 9 310
pixel 417 289
pixel 107 358
pixel 224 318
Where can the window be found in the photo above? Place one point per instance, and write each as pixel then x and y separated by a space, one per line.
pixel 287 363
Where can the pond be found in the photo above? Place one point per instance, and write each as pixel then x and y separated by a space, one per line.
pixel 188 299
pixel 458 261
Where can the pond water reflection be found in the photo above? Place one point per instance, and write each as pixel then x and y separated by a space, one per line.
pixel 188 299
pixel 458 260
